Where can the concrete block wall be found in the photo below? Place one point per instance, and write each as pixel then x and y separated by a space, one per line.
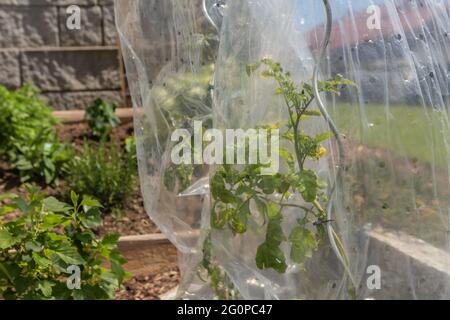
pixel 71 67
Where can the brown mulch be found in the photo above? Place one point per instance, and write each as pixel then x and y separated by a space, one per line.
pixel 133 220
pixel 76 133
pixel 149 287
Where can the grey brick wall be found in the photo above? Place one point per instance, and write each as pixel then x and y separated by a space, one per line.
pixel 71 67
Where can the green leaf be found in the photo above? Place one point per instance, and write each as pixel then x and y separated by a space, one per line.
pixel 309 184
pixel 34 246
pixel 8 195
pixel 267 74
pixel 54 205
pixel 267 184
pixel 45 287
pixel 110 240
pixel 41 261
pixel 221 215
pixel 91 292
pixel 51 221
pixel 7 240
pixel 303 243
pixel 90 202
pixel 323 137
pixel 69 255
pixel 22 205
pixel 9 271
pixel 74 197
pixel 275 233
pixel 91 219
pixel 219 190
pixel 117 261
pixel 271 256
pixel 7 209
pixel 262 206
pixel 273 211
pixel 251 68
pixel 240 219
pixel 279 91
pixel 312 113
pixel 86 236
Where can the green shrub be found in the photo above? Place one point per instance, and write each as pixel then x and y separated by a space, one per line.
pixel 28 136
pixel 105 172
pixel 102 118
pixel 41 248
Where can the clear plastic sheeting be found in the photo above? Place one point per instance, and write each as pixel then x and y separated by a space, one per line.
pixel 170 50
pixel 388 190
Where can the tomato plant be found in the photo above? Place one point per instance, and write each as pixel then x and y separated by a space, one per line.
pixel 235 191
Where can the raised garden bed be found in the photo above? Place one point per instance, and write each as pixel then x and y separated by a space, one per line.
pixel 152 260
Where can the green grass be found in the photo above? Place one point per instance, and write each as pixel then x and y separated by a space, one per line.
pixel 385 189
pixel 408 131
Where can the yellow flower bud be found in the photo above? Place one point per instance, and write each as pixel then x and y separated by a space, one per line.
pixel 322 152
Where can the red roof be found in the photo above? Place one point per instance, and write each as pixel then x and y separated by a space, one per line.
pixel 349 31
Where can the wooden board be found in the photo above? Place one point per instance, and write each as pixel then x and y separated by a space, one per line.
pixel 75 116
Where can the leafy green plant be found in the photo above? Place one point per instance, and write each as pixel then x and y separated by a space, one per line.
pixel 40 246
pixel 105 172
pixel 28 136
pixel 101 118
pixel 237 192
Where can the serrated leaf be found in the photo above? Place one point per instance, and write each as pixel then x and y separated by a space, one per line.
pixel 90 202
pixel 91 219
pixel 270 256
pixel 54 205
pixel 240 219
pixel 309 183
pixel 7 240
pixel 221 215
pixel 45 287
pixel 41 261
pixel 22 205
pixel 69 255
pixel 34 246
pixel 303 243
pixel 110 240
pixel 86 236
pixel 267 184
pixel 273 211
pixel 51 221
pixel 275 235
